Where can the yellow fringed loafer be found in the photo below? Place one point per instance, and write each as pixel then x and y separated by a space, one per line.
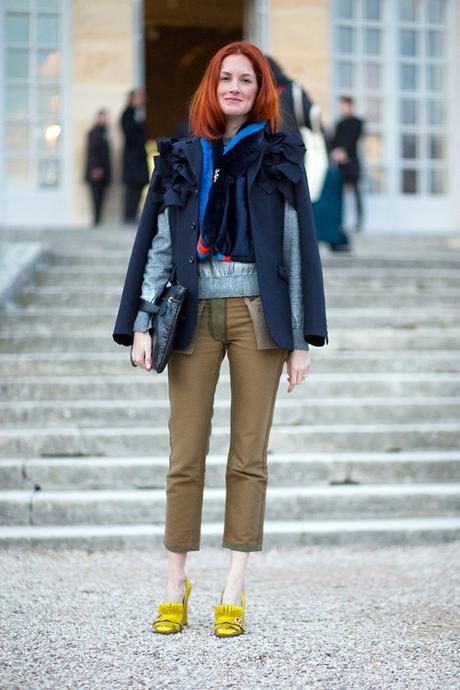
pixel 229 619
pixel 172 616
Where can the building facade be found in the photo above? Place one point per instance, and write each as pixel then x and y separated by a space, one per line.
pixel 62 60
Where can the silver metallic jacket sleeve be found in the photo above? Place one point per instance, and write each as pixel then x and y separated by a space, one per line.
pixel 291 252
pixel 157 270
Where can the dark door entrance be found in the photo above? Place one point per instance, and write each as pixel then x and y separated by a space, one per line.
pixel 180 38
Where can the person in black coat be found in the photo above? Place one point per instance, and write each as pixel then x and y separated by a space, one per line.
pixel 284 87
pixel 348 131
pixel 135 169
pixel 327 209
pixel 98 171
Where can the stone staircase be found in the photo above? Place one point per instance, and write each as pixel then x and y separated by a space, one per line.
pixel 365 452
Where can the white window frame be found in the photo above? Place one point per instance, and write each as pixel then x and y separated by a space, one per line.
pixel 393 211
pixel 24 202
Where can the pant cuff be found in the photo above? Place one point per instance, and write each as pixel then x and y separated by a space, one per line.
pixel 181 549
pixel 241 547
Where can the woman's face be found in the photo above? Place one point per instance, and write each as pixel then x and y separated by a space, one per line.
pixel 237 88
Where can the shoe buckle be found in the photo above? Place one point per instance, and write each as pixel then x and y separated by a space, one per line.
pixel 240 622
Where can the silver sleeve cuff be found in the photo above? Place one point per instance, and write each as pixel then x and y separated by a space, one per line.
pixel 142 322
pixel 299 341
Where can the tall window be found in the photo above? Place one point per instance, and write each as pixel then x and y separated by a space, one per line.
pixel 392 57
pixel 33 91
pixel 422 83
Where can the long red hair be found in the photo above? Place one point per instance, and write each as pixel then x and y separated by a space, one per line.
pixel 206 118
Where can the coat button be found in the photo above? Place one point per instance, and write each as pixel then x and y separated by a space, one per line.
pixel 191 259
pixel 193 225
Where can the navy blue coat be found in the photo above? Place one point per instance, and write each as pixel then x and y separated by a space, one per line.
pixel 278 173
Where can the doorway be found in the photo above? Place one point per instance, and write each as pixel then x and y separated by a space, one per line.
pixel 180 39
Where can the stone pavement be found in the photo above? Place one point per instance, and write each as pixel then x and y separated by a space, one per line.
pixel 366 451
pixel 320 618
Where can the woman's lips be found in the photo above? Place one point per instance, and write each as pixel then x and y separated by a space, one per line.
pixel 233 100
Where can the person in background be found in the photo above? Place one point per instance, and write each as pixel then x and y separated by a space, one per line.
pixel 98 172
pixel 284 89
pixel 327 208
pixel 135 170
pixel 344 151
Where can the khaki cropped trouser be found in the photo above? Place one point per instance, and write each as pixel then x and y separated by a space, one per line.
pixel 225 326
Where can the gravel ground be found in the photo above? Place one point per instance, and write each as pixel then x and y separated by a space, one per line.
pixel 319 617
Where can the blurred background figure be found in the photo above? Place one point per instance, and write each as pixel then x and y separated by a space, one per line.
pixel 285 87
pixel 135 173
pixel 299 114
pixel 344 150
pixel 98 172
pixel 328 210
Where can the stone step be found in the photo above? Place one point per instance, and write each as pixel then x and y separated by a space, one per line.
pixel 50 274
pixel 103 507
pixel 387 473
pixel 323 361
pixel 118 259
pixel 383 244
pixel 387 280
pixel 284 469
pixel 43 319
pixel 142 440
pixel 142 385
pixel 339 339
pixel 93 413
pixel 280 533
pixel 404 297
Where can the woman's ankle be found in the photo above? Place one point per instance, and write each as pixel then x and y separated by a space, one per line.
pixel 175 588
pixel 232 591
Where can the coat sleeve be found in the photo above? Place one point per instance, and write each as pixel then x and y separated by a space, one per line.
pixel 315 321
pixel 131 293
pixel 157 270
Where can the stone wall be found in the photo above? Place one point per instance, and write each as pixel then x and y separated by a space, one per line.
pixel 300 42
pixel 102 73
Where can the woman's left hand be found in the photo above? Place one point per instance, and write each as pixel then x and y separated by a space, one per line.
pixel 298 367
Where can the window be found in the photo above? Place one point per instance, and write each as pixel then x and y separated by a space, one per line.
pixel 391 57
pixel 33 91
pixel 359 62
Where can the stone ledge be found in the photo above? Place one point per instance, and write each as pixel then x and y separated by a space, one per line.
pixel 18 261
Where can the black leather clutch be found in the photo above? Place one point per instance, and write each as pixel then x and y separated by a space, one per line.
pixel 165 309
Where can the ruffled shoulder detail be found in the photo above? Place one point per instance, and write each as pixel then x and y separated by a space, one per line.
pixel 174 180
pixel 282 162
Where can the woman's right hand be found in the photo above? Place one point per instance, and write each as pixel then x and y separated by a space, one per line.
pixel 141 352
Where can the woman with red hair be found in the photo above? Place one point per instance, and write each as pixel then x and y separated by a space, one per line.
pixel 228 212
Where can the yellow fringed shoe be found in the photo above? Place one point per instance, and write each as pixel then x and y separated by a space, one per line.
pixel 229 619
pixel 172 616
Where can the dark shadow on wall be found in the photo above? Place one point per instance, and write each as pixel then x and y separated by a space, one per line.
pixel 175 59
